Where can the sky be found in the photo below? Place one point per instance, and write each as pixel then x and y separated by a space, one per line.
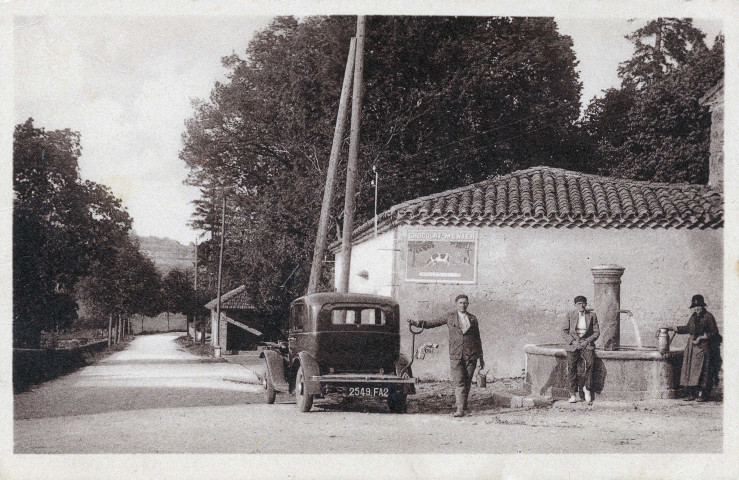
pixel 126 83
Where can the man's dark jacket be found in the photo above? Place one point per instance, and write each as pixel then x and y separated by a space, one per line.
pixel 460 344
pixel 592 331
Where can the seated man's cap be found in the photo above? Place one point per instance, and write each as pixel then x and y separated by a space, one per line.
pixel 580 298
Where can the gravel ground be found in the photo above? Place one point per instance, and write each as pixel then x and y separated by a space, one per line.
pixel 156 398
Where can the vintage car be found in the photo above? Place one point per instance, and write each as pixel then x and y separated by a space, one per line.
pixel 342 345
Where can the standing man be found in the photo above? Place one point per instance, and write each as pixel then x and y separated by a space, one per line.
pixel 465 348
pixel 580 331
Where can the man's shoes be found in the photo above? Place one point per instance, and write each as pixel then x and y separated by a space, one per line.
pixel 459 396
pixel 588 396
pixel 573 399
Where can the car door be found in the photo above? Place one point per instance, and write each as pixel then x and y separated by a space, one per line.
pixel 297 331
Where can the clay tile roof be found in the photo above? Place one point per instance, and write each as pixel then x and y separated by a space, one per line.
pixel 551 197
pixel 236 299
pixel 478 202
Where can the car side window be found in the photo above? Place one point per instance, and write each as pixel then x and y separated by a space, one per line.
pixel 297 316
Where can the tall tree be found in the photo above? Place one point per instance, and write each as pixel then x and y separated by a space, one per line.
pixel 123 283
pixel 61 226
pixel 661 46
pixel 448 101
pixel 653 127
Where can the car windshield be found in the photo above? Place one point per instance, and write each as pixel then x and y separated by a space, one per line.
pixel 357 316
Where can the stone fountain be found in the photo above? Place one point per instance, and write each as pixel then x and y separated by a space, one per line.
pixel 619 372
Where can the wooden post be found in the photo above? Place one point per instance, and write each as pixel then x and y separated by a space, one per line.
pixel 216 327
pixel 202 328
pixel 110 328
pixel 195 289
pixel 328 192
pixel 351 167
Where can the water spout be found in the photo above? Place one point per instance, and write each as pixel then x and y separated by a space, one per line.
pixel 633 324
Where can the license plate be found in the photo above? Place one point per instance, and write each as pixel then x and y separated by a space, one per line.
pixel 368 391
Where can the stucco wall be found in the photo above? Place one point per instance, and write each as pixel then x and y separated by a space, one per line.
pixel 527 279
pixel 177 323
pixel 371 265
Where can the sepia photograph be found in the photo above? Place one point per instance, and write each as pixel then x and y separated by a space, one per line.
pixel 331 241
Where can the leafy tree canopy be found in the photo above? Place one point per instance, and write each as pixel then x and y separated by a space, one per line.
pixel 653 127
pixel 64 229
pixel 448 101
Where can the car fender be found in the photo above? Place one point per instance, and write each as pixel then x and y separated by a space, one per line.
pixel 310 368
pixel 401 363
pixel 275 370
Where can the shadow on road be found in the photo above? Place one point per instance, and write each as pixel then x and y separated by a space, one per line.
pixel 96 400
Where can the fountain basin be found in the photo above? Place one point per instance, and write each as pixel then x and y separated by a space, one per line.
pixel 629 373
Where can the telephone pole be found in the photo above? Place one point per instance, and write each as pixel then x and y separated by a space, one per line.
pixel 217 325
pixel 351 167
pixel 328 191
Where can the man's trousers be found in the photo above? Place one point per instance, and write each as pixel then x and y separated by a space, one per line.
pixel 462 371
pixel 587 356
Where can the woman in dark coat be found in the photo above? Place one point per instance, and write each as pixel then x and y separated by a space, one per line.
pixel 701 359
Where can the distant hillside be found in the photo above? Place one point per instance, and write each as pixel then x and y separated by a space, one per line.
pixel 167 253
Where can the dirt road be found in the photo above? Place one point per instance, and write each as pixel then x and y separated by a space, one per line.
pixel 155 398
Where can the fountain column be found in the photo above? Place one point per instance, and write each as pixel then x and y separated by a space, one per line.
pixel 607 288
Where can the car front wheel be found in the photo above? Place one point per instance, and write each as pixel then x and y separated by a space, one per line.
pixel 304 401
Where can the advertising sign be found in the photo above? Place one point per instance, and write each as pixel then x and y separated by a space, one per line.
pixel 437 256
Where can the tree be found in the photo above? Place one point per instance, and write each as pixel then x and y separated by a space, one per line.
pixel 178 292
pixel 447 102
pixel 123 284
pixel 653 127
pixel 676 40
pixel 61 226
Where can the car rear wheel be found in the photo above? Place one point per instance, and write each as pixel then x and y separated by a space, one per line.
pixel 304 401
pixel 397 402
pixel 269 389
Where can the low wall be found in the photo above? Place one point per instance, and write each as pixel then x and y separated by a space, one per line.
pixel 31 366
pixel 176 322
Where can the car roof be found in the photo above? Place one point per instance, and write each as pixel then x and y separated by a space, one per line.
pixel 335 297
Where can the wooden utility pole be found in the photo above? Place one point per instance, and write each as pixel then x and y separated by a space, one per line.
pixel 328 192
pixel 217 325
pixel 351 167
pixel 195 289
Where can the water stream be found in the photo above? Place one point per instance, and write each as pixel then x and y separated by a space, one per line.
pixel 636 331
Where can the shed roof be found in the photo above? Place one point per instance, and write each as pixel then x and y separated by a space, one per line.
pixel 236 299
pixel 552 197
pixel 715 95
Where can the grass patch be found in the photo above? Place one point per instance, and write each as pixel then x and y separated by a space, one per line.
pixel 204 350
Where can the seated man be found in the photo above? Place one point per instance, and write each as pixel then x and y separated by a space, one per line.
pixel 580 331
